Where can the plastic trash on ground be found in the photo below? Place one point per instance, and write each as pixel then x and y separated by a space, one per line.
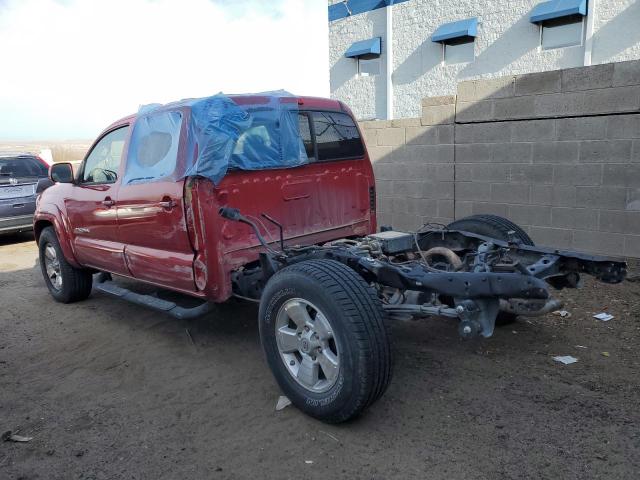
pixel 566 359
pixel 9 436
pixel 604 317
pixel 283 402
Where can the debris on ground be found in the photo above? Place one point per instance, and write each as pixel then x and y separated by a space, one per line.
pixel 562 313
pixel 566 359
pixel 605 317
pixel 283 402
pixel 189 336
pixel 8 436
pixel 330 436
pixel 605 354
pixel 580 346
pixel 308 462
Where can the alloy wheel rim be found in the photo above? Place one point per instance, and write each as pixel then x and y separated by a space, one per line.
pixel 307 345
pixel 52 266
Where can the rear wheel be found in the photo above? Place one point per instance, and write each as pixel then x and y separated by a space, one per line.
pixel 499 228
pixel 325 339
pixel 65 283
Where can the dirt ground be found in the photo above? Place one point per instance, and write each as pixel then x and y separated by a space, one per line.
pixel 109 390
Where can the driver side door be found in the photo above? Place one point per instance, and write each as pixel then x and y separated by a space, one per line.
pixel 91 206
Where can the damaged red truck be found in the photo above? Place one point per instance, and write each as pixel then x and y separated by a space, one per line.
pixel 271 198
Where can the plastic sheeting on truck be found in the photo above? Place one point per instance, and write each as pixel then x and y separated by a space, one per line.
pixel 208 136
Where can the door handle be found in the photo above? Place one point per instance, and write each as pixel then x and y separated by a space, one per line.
pixel 167 203
pixel 107 202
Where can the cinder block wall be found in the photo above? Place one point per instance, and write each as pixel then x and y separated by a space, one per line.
pixel 414 164
pixel 557 152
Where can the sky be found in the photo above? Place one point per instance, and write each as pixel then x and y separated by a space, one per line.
pixel 71 67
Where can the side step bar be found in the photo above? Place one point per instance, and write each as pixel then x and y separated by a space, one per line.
pixel 104 284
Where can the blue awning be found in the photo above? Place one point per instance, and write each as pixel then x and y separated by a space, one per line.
pixel 364 48
pixel 355 7
pixel 558 9
pixel 453 30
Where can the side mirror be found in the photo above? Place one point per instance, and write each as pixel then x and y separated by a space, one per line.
pixel 61 173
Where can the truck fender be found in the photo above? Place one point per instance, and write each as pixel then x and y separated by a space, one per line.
pixel 51 215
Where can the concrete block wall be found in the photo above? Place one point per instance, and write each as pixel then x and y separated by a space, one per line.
pixel 557 152
pixel 610 88
pixel 414 165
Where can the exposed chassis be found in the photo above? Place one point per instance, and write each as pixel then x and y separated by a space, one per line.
pixel 449 273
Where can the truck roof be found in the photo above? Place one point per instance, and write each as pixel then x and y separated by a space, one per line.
pixel 303 102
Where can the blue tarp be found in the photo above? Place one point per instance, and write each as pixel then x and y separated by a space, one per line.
pixel 557 9
pixel 368 48
pixel 256 132
pixel 453 30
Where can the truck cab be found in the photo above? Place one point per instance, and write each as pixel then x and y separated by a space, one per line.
pixel 128 212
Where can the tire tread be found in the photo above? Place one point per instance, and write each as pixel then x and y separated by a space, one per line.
pixel 77 283
pixel 362 306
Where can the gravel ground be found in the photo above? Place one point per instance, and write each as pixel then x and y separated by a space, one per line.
pixel 109 390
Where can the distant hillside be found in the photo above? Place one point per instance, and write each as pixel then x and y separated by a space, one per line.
pixel 62 151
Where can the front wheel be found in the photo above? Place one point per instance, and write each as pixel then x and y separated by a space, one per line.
pixel 65 283
pixel 323 332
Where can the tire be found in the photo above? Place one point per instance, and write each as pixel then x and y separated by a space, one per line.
pixel 66 283
pixel 491 226
pixel 325 290
pixel 496 227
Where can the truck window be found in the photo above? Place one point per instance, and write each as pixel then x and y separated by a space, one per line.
pixel 102 164
pixel 337 136
pixel 304 126
pixel 153 149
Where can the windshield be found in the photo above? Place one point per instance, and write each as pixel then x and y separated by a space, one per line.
pixel 22 167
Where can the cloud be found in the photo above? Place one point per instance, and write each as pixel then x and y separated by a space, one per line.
pixel 70 67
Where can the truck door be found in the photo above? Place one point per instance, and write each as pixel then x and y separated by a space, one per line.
pixel 91 206
pixel 150 206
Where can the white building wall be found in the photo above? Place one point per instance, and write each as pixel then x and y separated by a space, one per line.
pixel 616 35
pixel 507 43
pixel 365 95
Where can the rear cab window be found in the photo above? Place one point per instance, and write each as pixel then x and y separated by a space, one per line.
pixel 329 136
pixel 325 135
pixel 337 136
pixel 304 125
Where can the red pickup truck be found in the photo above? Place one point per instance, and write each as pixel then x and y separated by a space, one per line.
pixel 271 198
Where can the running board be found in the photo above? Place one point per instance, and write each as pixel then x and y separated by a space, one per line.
pixel 173 309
